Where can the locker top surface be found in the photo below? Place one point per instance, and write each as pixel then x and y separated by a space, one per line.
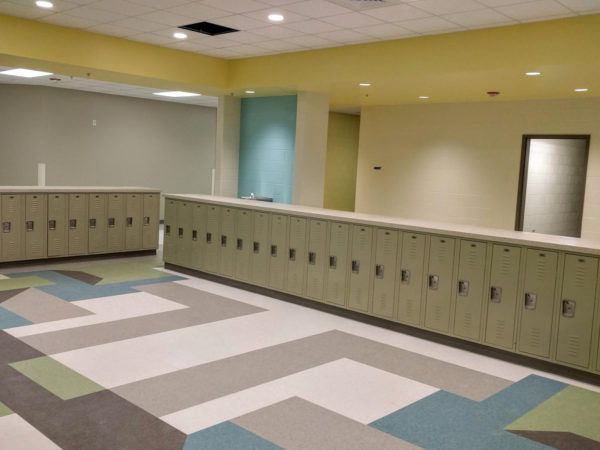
pixel 47 189
pixel 521 238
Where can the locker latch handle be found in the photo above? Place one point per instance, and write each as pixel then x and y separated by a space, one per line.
pixel 52 225
pixel 194 235
pixel 129 221
pixel 355 266
pixel 292 254
pixel 568 308
pixel 111 222
pixel 333 262
pixel 240 244
pixel 208 238
pixel 379 271
pixel 434 282
pixel 273 250
pixel 167 230
pixel 6 227
pixel 312 258
pixel 92 223
pixel 463 288
pixel 495 294
pixel 223 240
pixel 180 233
pixel 146 221
pixel 530 300
pixel 29 226
pixel 405 276
pixel 72 224
pixel 256 247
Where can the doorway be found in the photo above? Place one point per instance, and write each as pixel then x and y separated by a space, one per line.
pixel 552 184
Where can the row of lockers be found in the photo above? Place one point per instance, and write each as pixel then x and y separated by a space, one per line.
pixel 40 225
pixel 538 302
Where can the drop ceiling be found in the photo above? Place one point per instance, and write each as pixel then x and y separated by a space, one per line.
pixel 308 24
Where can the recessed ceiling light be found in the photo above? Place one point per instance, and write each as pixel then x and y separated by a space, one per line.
pixel 275 17
pixel 250 92
pixel 364 84
pixel 43 4
pixel 176 94
pixel 180 35
pixel 581 90
pixel 25 73
pixel 423 96
pixel 533 74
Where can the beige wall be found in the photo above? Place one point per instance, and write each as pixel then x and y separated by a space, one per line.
pixel 340 168
pixel 460 163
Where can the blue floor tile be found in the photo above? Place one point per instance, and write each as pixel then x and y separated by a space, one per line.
pixel 9 319
pixel 227 436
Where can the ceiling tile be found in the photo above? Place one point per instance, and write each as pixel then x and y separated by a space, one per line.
pixel 346 36
pixel 138 24
pixel 60 5
pixel 160 4
pixel 351 20
pixel 199 12
pixel 317 8
pixel 27 12
pixel 396 13
pixel 246 49
pixel 187 46
pixel 92 14
pixel 235 6
pixel 310 41
pixel 495 3
pixel 222 53
pixel 430 25
pixel 312 26
pixel 213 42
pixel 385 31
pixel 244 37
pixel 239 22
pixel 440 7
pixel 583 6
pixel 167 18
pixel 479 18
pixel 122 7
pixel 152 38
pixel 281 44
pixel 538 10
pixel 68 21
pixel 279 2
pixel 263 16
pixel 112 30
pixel 276 32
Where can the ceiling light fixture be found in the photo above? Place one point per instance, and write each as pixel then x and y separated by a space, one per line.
pixel 275 17
pixel 180 35
pixel 44 4
pixel 581 90
pixel 25 73
pixel 364 84
pixel 250 92
pixel 423 97
pixel 176 94
pixel 533 74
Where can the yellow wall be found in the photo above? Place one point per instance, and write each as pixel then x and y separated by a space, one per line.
pixel 340 168
pixel 460 163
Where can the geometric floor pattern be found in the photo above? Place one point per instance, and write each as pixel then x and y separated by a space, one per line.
pixel 123 354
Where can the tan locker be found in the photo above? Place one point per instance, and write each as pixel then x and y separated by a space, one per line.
pixel 170 231
pixel 198 244
pixel 133 221
pixel 360 267
pixel 384 276
pixel 183 245
pixel 576 311
pixel 502 296
pixel 439 284
pixel 296 261
pixel 243 244
pixel 259 258
pixel 469 289
pixel 535 332
pixel 317 248
pixel 36 235
pixel 57 224
pixel 13 227
pixel 337 272
pixel 151 206
pixel 212 238
pixel 278 255
pixel 97 223
pixel 227 242
pixel 116 222
pixel 78 224
pixel 411 278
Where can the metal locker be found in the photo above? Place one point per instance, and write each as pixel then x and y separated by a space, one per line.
pixel 278 251
pixel 212 239
pixel 439 283
pixel 97 223
pixel 78 224
pixel 469 289
pixel 243 244
pixel 502 296
pixel 296 258
pixel 183 240
pixel 315 271
pixel 576 313
pixel 13 227
pixel 227 242
pixel 36 214
pixel 170 231
pixel 151 206
pixel 410 293
pixel 360 267
pixel 384 276
pixel 198 244
pixel 57 224
pixel 337 272
pixel 259 256
pixel 538 302
pixel 133 221
pixel 116 222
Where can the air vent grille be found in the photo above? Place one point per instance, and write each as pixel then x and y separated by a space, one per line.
pixel 211 29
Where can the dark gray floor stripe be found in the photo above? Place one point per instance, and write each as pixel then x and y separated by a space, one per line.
pixel 80 276
pixel 5 295
pixel 559 440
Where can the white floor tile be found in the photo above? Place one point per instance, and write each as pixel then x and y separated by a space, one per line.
pixel 17 434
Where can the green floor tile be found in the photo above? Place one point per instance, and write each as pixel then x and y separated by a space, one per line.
pixel 4 410
pixel 124 271
pixel 574 410
pixel 23 282
pixel 56 378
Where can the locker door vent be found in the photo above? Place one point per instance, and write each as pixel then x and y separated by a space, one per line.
pixel 500 329
pixel 574 346
pixel 535 336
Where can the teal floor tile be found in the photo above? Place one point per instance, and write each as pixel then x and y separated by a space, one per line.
pixel 9 319
pixel 228 436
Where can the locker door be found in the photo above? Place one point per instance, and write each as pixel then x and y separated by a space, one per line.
pixel 502 297
pixel 337 272
pixel 183 246
pixel 538 302
pixel 360 267
pixel 98 227
pixel 13 227
pixel 227 242
pixel 243 244
pixel 199 219
pixel 469 289
pixel 78 225
pixel 170 235
pixel 212 239
pixel 296 258
pixel 384 277
pixel 57 224
pixel 259 258
pixel 36 214
pixel 116 222
pixel 411 278
pixel 315 271
pixel 133 221
pixel 439 284
pixel 278 247
pixel 577 310
pixel 151 206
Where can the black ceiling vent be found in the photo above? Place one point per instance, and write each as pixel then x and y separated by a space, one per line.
pixel 212 29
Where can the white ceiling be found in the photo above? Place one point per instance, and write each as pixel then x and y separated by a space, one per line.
pixel 308 24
